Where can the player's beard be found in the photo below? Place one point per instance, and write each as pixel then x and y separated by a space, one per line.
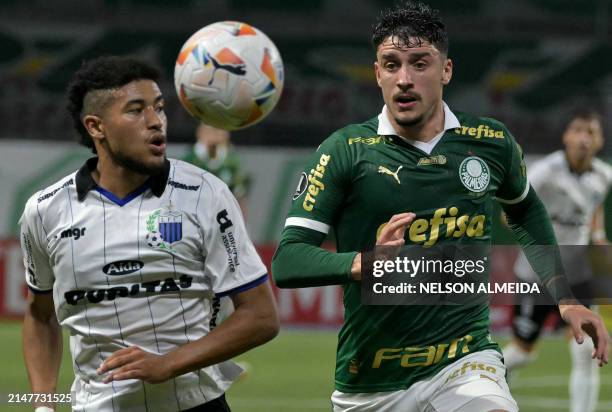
pixel 409 122
pixel 134 164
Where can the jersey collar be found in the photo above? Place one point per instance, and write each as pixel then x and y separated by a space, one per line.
pixel 385 128
pixel 85 182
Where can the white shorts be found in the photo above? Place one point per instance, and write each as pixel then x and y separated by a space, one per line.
pixel 474 383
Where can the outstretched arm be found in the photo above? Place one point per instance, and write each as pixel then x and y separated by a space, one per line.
pixel 532 228
pixel 598 227
pixel 300 261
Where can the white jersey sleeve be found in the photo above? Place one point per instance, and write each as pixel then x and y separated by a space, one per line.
pixel 605 170
pixel 539 174
pixel 231 261
pixel 38 272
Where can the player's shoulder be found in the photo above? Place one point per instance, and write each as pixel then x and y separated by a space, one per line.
pixel 355 135
pixel 45 199
pixel 185 176
pixel 481 127
pixel 367 128
pixel 602 167
pixel 553 163
pixel 555 159
pixel 45 196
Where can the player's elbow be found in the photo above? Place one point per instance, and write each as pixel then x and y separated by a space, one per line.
pixel 281 268
pixel 266 328
pixel 271 328
pixel 39 308
pixel 257 312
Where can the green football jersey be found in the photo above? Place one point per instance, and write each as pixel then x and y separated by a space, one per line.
pixel 226 166
pixel 354 183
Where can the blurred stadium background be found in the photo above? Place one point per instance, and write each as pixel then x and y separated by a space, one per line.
pixel 525 62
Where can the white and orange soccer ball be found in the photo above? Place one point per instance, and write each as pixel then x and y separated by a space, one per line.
pixel 229 75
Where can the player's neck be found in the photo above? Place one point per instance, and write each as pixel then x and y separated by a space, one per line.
pixel 578 164
pixel 431 126
pixel 117 179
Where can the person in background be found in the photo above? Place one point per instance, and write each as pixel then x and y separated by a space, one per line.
pixel 214 153
pixel 573 185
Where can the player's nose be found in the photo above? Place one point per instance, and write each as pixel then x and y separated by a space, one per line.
pixel 404 77
pixel 154 119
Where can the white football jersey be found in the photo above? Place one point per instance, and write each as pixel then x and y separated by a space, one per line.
pixel 144 270
pixel 571 200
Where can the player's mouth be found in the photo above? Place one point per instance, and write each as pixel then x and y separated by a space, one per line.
pixel 157 144
pixel 406 101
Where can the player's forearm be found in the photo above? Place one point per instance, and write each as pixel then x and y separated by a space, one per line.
pixel 251 324
pixel 42 350
pixel 531 226
pixel 299 262
pixel 598 228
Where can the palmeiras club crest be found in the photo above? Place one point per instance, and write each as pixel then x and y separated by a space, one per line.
pixel 164 227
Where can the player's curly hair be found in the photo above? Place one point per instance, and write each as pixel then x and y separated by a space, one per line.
pixel 99 74
pixel 411 22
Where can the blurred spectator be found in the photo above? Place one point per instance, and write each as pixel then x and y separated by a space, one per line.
pixel 214 153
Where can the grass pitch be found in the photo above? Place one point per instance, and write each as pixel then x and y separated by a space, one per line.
pixel 294 372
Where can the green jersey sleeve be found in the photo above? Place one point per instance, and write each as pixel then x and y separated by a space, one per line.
pixel 515 185
pixel 322 186
pixel 299 261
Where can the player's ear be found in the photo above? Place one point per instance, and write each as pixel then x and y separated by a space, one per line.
pixel 377 72
pixel 447 71
pixel 93 125
pixel 565 138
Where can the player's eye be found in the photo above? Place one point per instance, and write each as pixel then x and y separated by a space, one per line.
pixel 420 65
pixel 134 110
pixel 391 66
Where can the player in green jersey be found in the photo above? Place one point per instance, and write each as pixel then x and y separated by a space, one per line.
pixel 415 174
pixel 214 153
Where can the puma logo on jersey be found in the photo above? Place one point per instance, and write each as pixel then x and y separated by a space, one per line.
pixel 386 171
pixel 75 233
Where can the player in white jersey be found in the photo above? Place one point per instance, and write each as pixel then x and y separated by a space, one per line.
pixel 128 253
pixel 573 185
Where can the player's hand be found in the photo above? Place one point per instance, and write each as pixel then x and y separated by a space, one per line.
pixel 392 234
pixel 394 230
pixel 135 363
pixel 580 319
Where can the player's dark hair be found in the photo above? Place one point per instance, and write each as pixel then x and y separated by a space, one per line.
pixel 102 73
pixel 583 113
pixel 411 22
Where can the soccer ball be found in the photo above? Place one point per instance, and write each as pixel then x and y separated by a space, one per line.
pixel 154 239
pixel 229 75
